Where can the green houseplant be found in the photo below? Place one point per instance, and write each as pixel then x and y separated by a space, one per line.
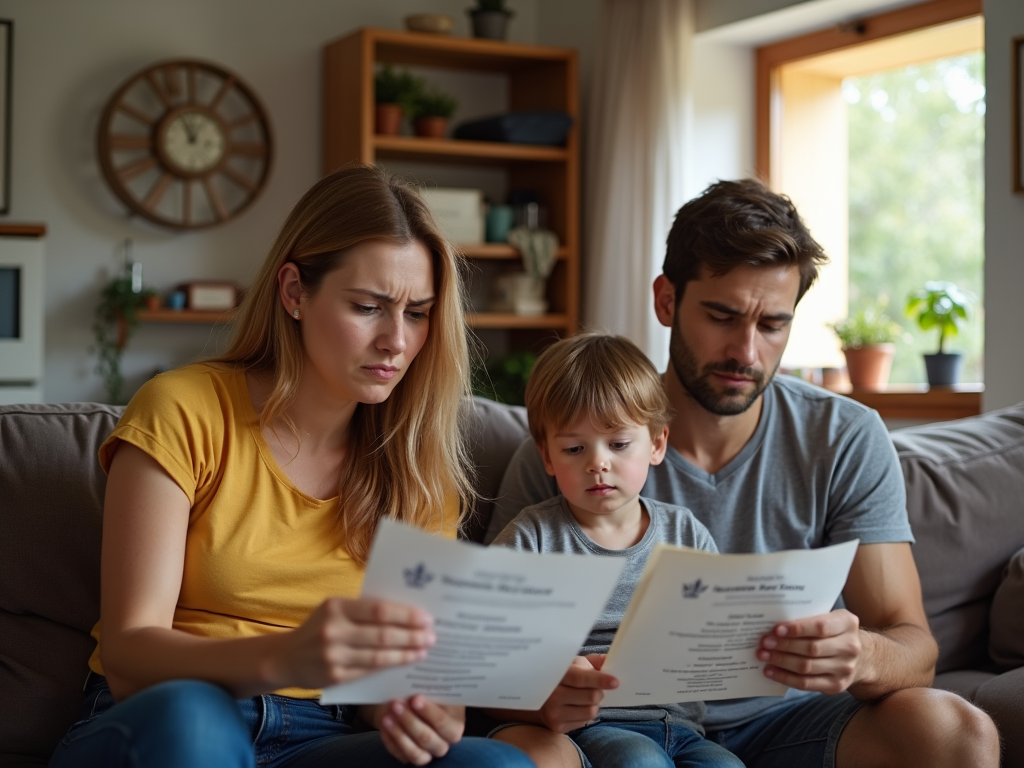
pixel 490 19
pixel 940 304
pixel 430 110
pixel 503 378
pixel 868 340
pixel 393 91
pixel 115 320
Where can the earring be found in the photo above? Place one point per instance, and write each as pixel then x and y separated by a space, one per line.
pixel 295 314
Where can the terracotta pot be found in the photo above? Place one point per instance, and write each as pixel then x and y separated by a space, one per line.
pixel 388 119
pixel 869 366
pixel 431 127
pixel 152 303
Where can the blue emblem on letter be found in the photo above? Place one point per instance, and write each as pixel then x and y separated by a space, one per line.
pixel 417 577
pixel 695 589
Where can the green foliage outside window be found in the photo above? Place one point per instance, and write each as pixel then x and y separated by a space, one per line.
pixel 916 187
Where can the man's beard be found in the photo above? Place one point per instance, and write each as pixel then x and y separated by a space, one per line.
pixel 731 401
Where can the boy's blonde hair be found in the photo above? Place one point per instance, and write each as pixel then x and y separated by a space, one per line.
pixel 605 377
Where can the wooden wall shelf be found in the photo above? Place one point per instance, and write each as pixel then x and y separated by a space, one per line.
pixel 538 77
pixel 185 316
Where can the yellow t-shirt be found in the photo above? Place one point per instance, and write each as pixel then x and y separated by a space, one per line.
pixel 260 555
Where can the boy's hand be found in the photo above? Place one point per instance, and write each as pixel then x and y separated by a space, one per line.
pixel 575 701
pixel 417 730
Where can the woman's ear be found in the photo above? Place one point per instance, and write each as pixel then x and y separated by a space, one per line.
pixel 289 288
pixel 659 444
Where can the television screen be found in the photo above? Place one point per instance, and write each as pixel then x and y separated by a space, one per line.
pixel 10 303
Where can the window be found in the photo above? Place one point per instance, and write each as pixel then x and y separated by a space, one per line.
pixel 875 130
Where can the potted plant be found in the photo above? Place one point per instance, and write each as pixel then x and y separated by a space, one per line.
pixel 392 91
pixel 503 378
pixel 430 110
pixel 490 19
pixel 114 321
pixel 868 339
pixel 941 305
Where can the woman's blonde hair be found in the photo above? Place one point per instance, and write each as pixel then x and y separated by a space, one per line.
pixel 407 458
pixel 604 377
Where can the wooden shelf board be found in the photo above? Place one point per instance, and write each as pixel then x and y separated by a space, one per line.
pixel 456 150
pixel 422 49
pixel 185 316
pixel 913 401
pixel 498 251
pixel 22 230
pixel 509 320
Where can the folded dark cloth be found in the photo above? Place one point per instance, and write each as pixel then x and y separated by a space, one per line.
pixel 539 126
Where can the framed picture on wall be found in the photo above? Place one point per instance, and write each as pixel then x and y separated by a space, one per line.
pixel 6 29
pixel 1018 114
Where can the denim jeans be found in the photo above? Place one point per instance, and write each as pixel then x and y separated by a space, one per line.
pixel 801 733
pixel 192 724
pixel 649 744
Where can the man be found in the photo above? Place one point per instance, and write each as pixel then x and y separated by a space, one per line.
pixel 770 463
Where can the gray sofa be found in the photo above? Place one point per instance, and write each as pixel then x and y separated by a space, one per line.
pixel 965 483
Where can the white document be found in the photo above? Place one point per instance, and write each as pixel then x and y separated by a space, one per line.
pixel 508 623
pixel 693 626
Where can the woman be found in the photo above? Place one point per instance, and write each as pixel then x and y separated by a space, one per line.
pixel 243 495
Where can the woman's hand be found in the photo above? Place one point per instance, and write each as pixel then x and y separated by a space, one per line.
pixel 416 730
pixel 343 640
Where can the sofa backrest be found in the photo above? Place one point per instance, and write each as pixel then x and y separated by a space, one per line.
pixel 51 496
pixel 965 497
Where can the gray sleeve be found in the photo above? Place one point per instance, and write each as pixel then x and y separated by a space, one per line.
pixel 868 498
pixel 520 533
pixel 525 483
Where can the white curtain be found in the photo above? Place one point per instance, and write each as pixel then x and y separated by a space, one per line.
pixel 637 131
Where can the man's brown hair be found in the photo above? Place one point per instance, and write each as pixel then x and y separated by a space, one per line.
pixel 605 377
pixel 737 223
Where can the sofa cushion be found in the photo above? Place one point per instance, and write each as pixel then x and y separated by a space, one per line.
pixel 965 497
pixel 1003 698
pixel 49 568
pixel 1006 619
pixel 495 432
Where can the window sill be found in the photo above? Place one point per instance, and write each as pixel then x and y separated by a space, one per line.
pixel 919 402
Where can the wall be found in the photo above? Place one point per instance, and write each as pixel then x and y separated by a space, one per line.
pixel 1004 215
pixel 70 56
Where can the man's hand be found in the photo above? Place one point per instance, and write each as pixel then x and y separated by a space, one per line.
pixel 821 653
pixel 417 730
pixel 575 701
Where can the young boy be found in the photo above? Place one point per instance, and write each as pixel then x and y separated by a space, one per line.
pixel 598 412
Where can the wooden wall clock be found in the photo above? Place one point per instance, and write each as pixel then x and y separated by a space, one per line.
pixel 186 144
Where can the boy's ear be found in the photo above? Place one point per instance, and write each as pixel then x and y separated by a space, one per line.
pixel 659 444
pixel 548 466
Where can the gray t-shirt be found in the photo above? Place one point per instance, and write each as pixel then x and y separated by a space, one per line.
pixel 550 527
pixel 819 469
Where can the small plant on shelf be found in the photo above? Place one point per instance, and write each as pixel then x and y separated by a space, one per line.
pixel 867 338
pixel 939 305
pixel 867 328
pixel 490 19
pixel 393 92
pixel 430 110
pixel 114 322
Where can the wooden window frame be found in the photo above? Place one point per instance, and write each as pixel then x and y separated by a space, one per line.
pixel 896 402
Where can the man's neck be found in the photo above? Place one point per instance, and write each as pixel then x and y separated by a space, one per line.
pixel 705 439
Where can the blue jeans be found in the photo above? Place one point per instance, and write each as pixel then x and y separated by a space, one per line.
pixel 191 724
pixel 800 733
pixel 649 744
